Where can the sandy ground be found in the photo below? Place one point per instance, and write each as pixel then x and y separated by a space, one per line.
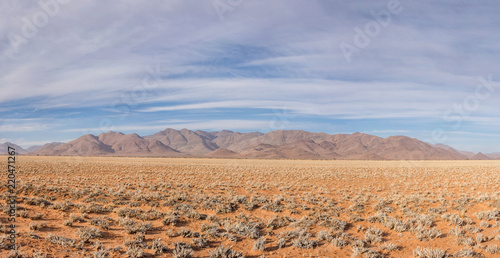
pixel 316 208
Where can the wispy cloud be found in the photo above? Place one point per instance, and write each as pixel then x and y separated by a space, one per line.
pixel 265 55
pixel 229 124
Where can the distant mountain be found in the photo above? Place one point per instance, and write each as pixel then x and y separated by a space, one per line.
pixel 468 154
pixel 187 141
pixel 110 143
pixel 4 148
pixel 87 145
pixel 281 144
pixel 480 156
pixel 493 155
pixel 43 147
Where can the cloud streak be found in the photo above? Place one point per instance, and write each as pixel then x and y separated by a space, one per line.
pixel 264 56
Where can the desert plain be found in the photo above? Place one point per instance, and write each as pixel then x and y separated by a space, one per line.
pixel 202 207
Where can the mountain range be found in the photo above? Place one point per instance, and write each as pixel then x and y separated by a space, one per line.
pixel 281 144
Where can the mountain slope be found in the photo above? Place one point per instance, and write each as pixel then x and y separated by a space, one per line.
pixel 87 145
pixel 281 144
pixel 185 141
pixel 5 146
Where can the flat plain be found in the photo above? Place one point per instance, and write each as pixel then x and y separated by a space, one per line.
pixel 187 207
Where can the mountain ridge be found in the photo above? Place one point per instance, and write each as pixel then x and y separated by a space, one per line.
pixel 279 144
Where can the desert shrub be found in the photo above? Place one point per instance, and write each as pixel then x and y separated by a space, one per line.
pixel 281 242
pixel 324 235
pixel 61 240
pixel 260 244
pixel 87 233
pixel 37 202
pixel 230 237
pixel 453 219
pixel 480 238
pixel 60 206
pixel 484 224
pixel 100 222
pixel 439 210
pixel 76 218
pixel 388 246
pixel 192 214
pixel 36 216
pixel 227 208
pixel 279 221
pixel 465 253
pixel 131 226
pixel 37 226
pixel 135 252
pixel 39 254
pixel 127 212
pixel 171 233
pixel 426 234
pixel 304 242
pixel 182 250
pixel 15 254
pixel 355 218
pixel 428 253
pixel 200 242
pixel 488 215
pixel 274 206
pixel 250 230
pixel 150 214
pixel 334 224
pixel 159 247
pixel 225 252
pixel 102 253
pixel 23 214
pixel 95 208
pixel 492 249
pixel 186 232
pixel 466 241
pixel 170 220
pixel 338 242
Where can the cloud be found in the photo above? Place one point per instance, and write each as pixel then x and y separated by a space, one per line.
pixel 264 55
pixel 229 124
pixel 24 127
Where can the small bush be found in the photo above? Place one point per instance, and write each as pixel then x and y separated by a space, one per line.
pixel 225 252
pixel 260 244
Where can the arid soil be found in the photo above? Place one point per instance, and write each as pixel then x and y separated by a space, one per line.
pixel 183 207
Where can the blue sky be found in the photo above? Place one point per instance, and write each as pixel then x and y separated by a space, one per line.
pixel 417 68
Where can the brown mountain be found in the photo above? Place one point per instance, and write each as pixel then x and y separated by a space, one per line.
pixel 46 146
pixel 185 141
pixel 493 155
pixel 468 154
pixel 5 146
pixel 135 145
pixel 87 145
pixel 480 156
pixel 281 144
pixel 222 153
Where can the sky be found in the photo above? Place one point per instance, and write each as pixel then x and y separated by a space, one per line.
pixel 424 69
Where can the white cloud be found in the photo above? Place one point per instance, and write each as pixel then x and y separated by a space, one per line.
pixel 229 124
